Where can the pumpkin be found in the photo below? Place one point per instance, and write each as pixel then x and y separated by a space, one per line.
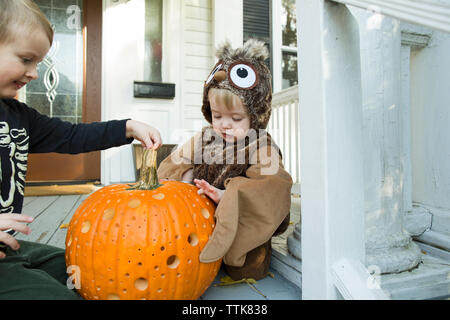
pixel 142 241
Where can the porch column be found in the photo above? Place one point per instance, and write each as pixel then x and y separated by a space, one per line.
pixel 388 247
pixel 331 144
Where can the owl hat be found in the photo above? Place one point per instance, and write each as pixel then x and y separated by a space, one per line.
pixel 243 72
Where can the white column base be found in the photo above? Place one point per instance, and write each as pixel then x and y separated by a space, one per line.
pixel 401 256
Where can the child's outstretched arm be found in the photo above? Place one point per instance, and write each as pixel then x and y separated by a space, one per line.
pixel 214 193
pixel 147 135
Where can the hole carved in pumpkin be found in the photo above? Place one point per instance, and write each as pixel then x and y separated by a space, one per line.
pixel 113 296
pixel 141 284
pixel 205 213
pixel 173 262
pixel 193 239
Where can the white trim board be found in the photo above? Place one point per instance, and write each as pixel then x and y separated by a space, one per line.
pixel 429 13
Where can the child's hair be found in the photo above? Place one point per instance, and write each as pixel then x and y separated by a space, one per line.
pixel 225 96
pixel 16 14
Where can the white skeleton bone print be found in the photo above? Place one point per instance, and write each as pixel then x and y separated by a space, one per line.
pixel 14 161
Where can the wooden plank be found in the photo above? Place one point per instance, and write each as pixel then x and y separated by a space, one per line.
pixel 58 238
pixel 197 37
pixel 28 200
pixel 196 25
pixel 199 49
pixel 193 61
pixel 197 13
pixel 50 219
pixel 39 205
pixel 198 3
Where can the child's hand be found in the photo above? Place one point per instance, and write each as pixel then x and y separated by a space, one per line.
pixel 147 135
pixel 212 192
pixel 12 221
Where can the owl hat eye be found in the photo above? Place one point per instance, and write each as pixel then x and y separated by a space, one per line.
pixel 216 68
pixel 242 75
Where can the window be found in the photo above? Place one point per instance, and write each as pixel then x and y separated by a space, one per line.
pixel 274 22
pixel 257 23
pixel 289 44
pixel 284 42
pixel 153 40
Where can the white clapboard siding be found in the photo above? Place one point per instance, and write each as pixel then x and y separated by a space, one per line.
pixel 198 59
pixel 196 24
pixel 193 86
pixel 200 49
pixel 199 3
pixel 197 12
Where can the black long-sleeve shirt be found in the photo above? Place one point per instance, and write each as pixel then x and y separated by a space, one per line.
pixel 23 130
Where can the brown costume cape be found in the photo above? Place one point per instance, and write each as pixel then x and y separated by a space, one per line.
pixel 258 190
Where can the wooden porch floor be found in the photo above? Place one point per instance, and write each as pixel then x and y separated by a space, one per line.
pixel 50 212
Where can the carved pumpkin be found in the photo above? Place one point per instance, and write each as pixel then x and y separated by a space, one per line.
pixel 142 242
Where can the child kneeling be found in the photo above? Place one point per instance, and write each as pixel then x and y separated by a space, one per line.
pixel 235 162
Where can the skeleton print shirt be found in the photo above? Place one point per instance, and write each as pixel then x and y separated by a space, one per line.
pixel 23 130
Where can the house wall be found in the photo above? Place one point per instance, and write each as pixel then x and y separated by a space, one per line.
pixel 197 39
pixel 192 29
pixel 187 60
pixel 430 137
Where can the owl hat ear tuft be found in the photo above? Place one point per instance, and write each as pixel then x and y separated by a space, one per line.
pixel 224 51
pixel 252 49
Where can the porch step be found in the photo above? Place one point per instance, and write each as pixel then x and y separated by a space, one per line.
pixel 276 288
pixel 429 280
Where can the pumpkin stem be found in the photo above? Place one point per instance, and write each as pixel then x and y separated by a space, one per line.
pixel 148 179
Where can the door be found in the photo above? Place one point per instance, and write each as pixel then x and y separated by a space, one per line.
pixel 65 89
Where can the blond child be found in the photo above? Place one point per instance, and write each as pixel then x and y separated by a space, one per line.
pixel 235 163
pixel 31 270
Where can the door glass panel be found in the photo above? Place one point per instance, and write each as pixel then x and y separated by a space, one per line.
pixel 58 90
pixel 153 40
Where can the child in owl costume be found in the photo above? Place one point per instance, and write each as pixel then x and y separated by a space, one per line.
pixel 246 171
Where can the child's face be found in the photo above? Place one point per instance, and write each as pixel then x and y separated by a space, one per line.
pixel 19 59
pixel 229 122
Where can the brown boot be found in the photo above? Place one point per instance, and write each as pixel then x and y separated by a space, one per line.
pixel 256 264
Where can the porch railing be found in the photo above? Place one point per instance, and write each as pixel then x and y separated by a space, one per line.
pixel 284 128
